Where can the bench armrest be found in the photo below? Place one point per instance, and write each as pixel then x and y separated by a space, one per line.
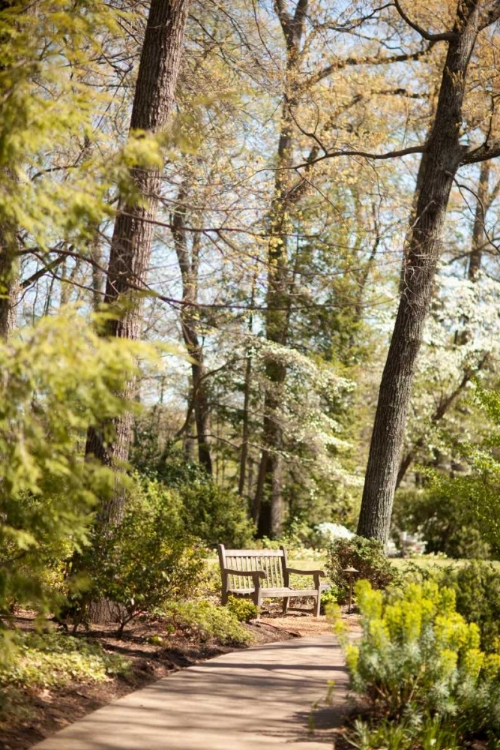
pixel 320 573
pixel 248 573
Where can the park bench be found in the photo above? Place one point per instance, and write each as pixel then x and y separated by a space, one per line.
pixel 262 574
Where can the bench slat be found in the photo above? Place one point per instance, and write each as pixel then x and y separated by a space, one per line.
pixel 254 553
pixel 270 592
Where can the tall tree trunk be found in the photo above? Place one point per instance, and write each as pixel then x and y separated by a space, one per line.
pixel 270 522
pixel 484 200
pixel 133 231
pixel 8 283
pixel 247 387
pixel 189 324
pixel 438 167
pixel 478 230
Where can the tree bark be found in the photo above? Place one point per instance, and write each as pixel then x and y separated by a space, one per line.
pixel 277 295
pixel 484 200
pixel 438 167
pixel 478 230
pixel 133 230
pixel 8 284
pixel 189 324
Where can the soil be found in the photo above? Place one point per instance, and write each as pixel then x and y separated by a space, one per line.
pixel 40 713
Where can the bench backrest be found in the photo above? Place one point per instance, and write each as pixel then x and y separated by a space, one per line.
pixel 271 561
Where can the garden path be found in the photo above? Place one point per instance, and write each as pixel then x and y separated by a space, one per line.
pixel 263 697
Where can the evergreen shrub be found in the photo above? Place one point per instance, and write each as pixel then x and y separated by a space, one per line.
pixel 369 559
pixel 477 590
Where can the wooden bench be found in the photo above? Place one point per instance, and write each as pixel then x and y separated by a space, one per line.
pixel 260 574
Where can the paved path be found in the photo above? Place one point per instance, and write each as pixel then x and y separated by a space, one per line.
pixel 256 699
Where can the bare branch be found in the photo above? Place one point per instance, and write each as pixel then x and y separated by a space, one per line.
pixel 366 155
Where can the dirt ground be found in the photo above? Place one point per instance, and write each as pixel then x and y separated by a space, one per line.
pixel 42 712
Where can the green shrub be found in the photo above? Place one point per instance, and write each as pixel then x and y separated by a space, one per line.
pixel 206 621
pixel 215 514
pixel 367 556
pixel 448 526
pixel 419 658
pixel 431 734
pixel 212 513
pixel 147 558
pixel 477 590
pixel 329 597
pixel 243 609
pixel 57 379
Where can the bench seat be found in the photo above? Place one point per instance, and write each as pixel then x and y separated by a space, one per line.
pixel 270 593
pixel 264 574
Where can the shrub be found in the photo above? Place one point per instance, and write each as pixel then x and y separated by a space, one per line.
pixel 243 609
pixel 477 589
pixel 431 734
pixel 212 513
pixel 367 556
pixel 58 379
pixel 206 621
pixel 449 526
pixel 147 558
pixel 215 514
pixel 329 597
pixel 419 658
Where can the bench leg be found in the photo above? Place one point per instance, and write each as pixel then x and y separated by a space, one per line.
pixel 286 601
pixel 257 600
pixel 317 605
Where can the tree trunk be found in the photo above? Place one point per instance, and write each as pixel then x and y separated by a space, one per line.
pixel 484 200
pixel 478 230
pixel 133 231
pixel 190 324
pixel 438 167
pixel 277 295
pixel 8 284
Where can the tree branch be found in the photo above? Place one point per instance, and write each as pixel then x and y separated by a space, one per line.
pixel 372 60
pixel 446 36
pixel 490 16
pixel 366 155
pixel 487 150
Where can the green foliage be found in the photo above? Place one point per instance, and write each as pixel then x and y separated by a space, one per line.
pixel 206 621
pixel 448 524
pixel 148 557
pixel 57 379
pixel 48 660
pixel 477 492
pixel 243 609
pixel 215 514
pixel 419 658
pixel 49 58
pixel 367 556
pixel 477 590
pixel 431 734
pixel 212 513
pixel 329 597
